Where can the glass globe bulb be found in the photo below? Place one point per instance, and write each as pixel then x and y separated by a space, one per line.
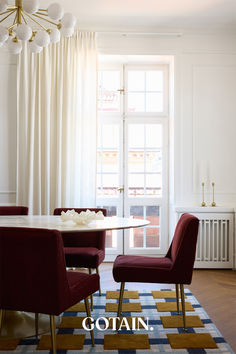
pixel 14 47
pixel 30 6
pixel 68 20
pixel 55 11
pixel 42 39
pixel 4 34
pixel 67 32
pixel 3 5
pixel 55 35
pixel 24 32
pixel 34 48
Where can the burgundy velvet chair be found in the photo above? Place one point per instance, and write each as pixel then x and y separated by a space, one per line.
pixel 34 277
pixel 175 268
pixel 13 210
pixel 85 250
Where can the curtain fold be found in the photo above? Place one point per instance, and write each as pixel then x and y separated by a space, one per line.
pixel 56 125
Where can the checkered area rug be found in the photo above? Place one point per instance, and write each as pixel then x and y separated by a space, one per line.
pixel 157 334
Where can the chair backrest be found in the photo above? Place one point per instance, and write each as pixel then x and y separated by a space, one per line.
pixel 14 210
pixel 183 247
pixel 32 271
pixel 88 239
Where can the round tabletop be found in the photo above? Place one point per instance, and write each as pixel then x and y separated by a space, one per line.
pixel 55 223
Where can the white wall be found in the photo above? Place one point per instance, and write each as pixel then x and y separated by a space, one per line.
pixel 7 129
pixel 204 117
pixel 207 140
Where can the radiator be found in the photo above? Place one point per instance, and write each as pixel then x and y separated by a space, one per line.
pixel 215 243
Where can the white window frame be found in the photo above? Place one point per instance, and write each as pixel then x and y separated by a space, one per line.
pixel 125 117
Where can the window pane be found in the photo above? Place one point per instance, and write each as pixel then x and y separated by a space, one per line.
pixel 154 80
pixel 154 102
pixel 111 239
pixel 153 161
pixel 108 96
pixel 111 80
pixel 152 237
pixel 99 161
pixel 110 184
pixel 137 238
pixel 110 136
pixel 136 102
pixel 153 214
pixel 99 184
pixel 99 135
pixel 153 135
pixel 136 135
pixel 111 236
pixel 136 184
pixel 136 80
pixel 137 211
pixel 110 162
pixel 153 184
pixel 136 161
pixel 137 235
pixel 111 210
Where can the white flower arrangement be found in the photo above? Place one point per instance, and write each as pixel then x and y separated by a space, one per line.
pixel 82 218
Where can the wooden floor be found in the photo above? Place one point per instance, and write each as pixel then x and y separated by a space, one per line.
pixel 216 292
pixel 214 289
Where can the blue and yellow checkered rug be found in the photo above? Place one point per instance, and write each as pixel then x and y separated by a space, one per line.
pixel 164 333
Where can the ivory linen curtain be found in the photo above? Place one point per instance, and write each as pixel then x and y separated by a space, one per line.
pixel 56 125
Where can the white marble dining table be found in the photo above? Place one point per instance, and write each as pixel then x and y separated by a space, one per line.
pixel 17 324
pixel 53 222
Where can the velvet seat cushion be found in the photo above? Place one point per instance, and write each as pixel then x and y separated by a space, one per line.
pixel 81 285
pixel 142 269
pixel 87 257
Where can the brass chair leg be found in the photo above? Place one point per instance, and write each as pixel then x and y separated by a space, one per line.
pixel 36 321
pixel 91 302
pixel 183 304
pixel 1 319
pixel 91 296
pixel 100 293
pixel 89 319
pixel 122 287
pixel 53 334
pixel 177 296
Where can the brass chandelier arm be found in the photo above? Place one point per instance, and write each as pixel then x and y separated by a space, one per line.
pixel 40 13
pixel 14 23
pixel 6 12
pixel 45 19
pixel 23 18
pixel 42 10
pixel 38 23
pixel 8 15
pixel 15 20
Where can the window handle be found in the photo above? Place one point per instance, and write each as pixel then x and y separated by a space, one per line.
pixel 121 189
pixel 122 91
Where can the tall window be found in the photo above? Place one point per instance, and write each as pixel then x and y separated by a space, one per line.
pixel 132 155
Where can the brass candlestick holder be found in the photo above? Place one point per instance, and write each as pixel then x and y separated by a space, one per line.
pixel 213 204
pixel 203 203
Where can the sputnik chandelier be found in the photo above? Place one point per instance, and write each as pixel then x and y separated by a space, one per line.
pixel 26 21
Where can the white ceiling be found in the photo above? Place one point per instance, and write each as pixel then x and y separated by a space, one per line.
pixel 152 15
